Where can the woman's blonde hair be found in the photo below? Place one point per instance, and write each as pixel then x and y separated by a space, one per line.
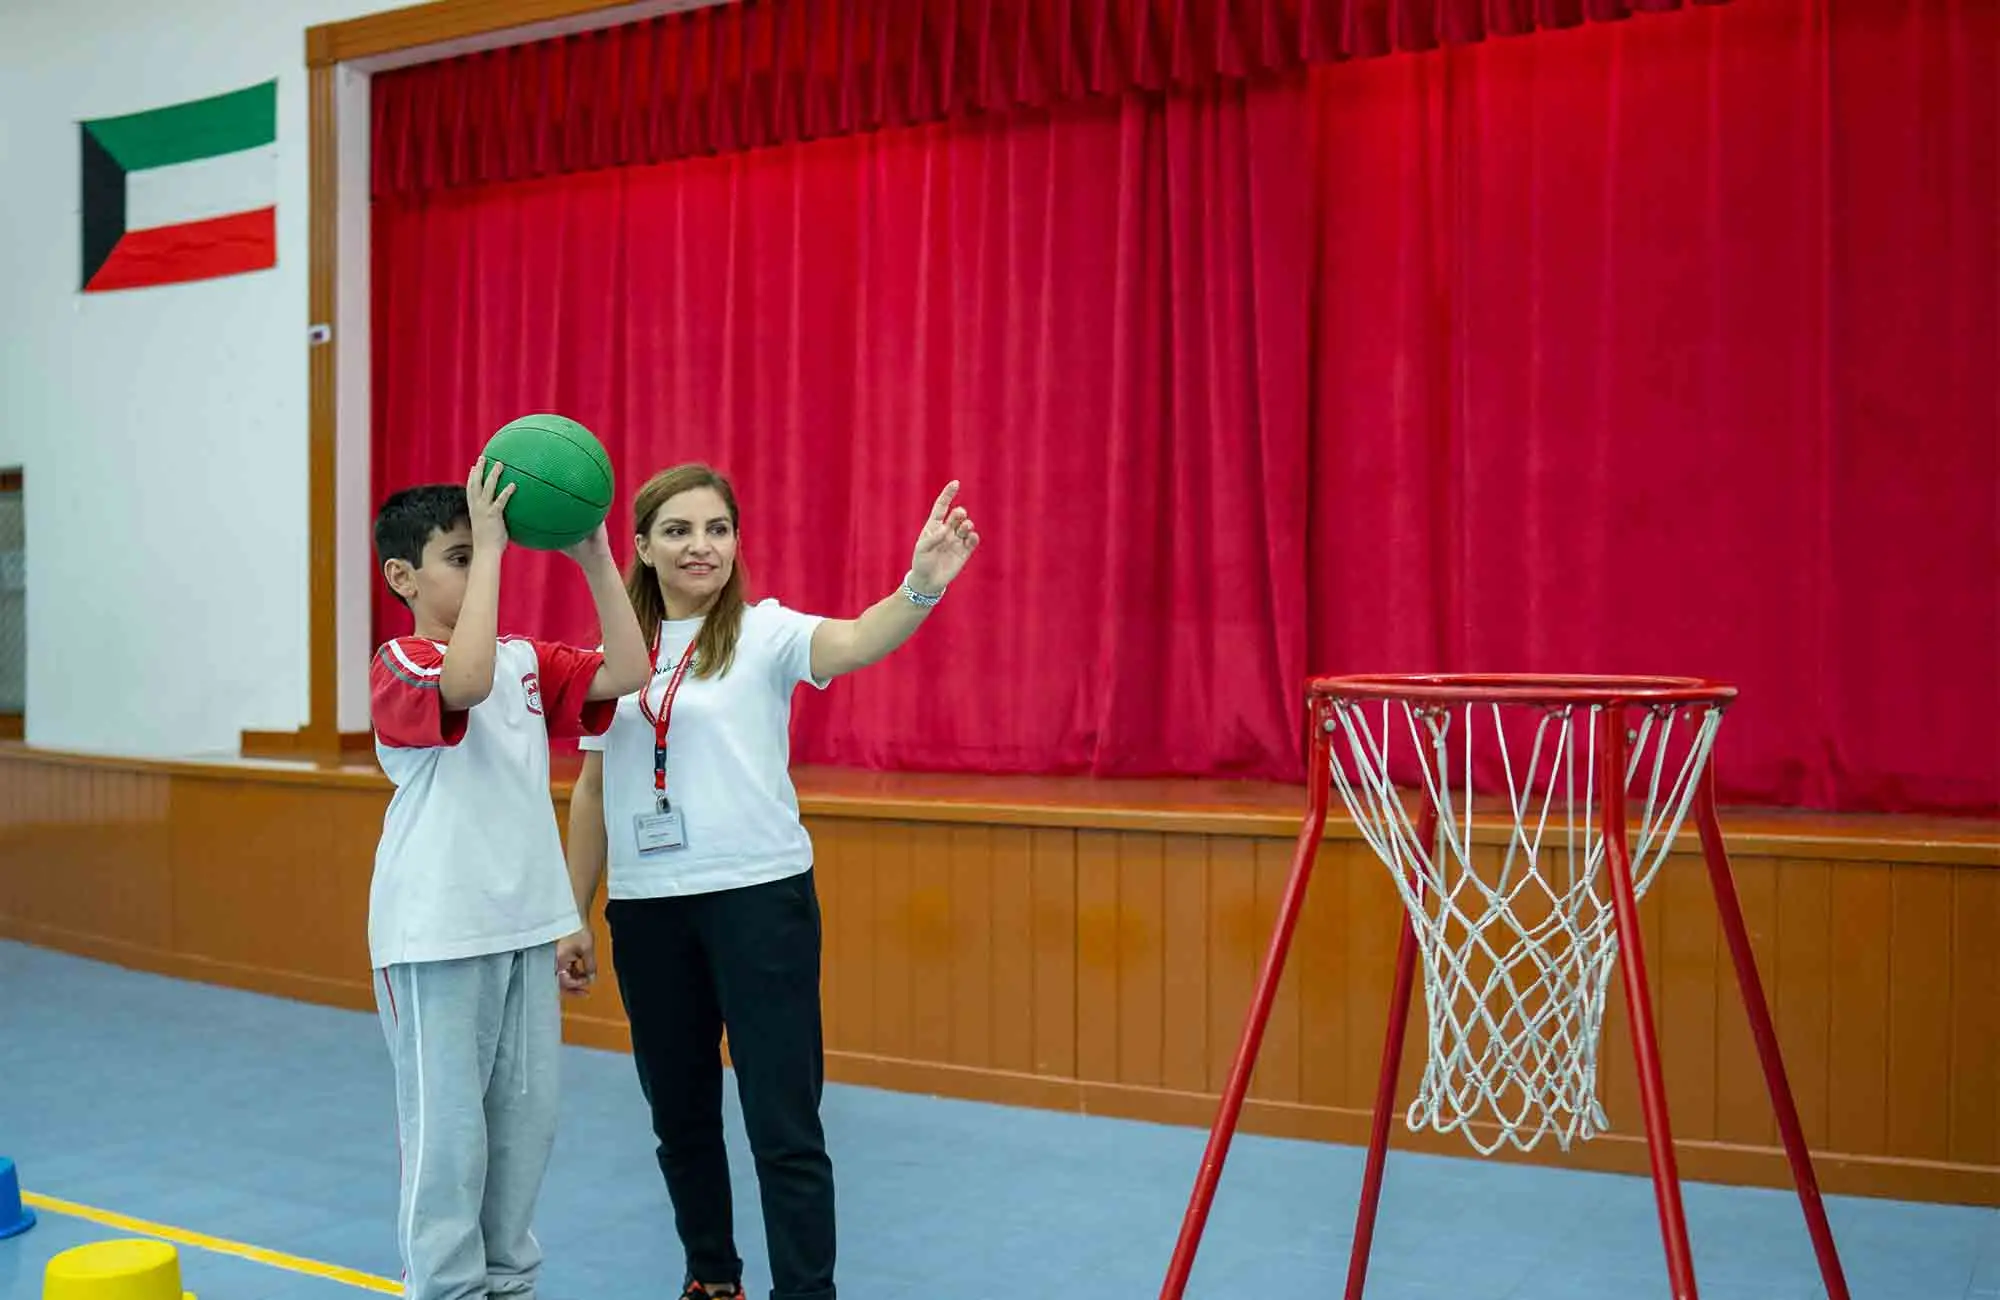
pixel 715 646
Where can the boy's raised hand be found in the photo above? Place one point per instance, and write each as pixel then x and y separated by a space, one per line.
pixel 628 662
pixel 487 509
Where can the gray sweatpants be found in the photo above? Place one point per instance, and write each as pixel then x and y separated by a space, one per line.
pixel 475 1043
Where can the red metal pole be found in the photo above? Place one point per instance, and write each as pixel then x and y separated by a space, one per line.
pixel 1652 1085
pixel 1730 910
pixel 1224 1129
pixel 1385 1084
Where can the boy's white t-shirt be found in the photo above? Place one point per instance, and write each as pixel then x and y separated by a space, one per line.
pixel 729 775
pixel 470 861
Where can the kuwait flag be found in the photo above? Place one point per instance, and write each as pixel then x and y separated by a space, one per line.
pixel 186 192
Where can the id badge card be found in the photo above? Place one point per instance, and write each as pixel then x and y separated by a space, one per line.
pixel 660 832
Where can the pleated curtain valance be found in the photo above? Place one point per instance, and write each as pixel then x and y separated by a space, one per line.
pixel 746 75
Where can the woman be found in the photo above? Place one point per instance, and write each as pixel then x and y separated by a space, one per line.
pixel 713 915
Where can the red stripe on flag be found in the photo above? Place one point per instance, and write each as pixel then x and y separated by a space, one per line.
pixel 195 250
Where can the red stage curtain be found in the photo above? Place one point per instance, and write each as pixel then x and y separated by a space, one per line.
pixel 1663 347
pixel 1058 313
pixel 767 72
pixel 1671 349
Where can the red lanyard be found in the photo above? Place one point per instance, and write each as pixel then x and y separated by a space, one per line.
pixel 665 716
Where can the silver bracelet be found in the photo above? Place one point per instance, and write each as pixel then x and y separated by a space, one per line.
pixel 921 599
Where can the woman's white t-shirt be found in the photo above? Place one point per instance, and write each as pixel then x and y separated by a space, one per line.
pixel 728 764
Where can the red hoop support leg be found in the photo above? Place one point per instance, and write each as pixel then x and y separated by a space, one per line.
pixel 1639 1002
pixel 1231 1109
pixel 1730 910
pixel 1385 1086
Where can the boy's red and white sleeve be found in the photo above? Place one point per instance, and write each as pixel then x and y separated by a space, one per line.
pixel 405 701
pixel 566 674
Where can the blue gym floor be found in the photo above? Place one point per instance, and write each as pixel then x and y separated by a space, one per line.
pixel 266 1122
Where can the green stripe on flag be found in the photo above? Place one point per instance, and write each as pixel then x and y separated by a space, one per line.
pixel 200 128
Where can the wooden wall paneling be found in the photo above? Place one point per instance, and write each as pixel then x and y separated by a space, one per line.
pixel 90 839
pixel 1858 1053
pixel 30 839
pixel 1374 923
pixel 1743 1114
pixel 1184 989
pixel 1802 991
pixel 1140 960
pixel 969 869
pixel 1236 939
pixel 86 874
pixel 1686 989
pixel 1320 953
pixel 1632 1123
pixel 1973 1101
pixel 1918 1102
pixel 1051 868
pixel 1011 954
pixel 1277 1077
pixel 124 818
pixel 1618 1075
pixel 927 921
pixel 894 956
pixel 271 886
pixel 1097 956
pixel 854 916
pixel 40 828
pixel 852 934
pixel 64 895
pixel 1108 968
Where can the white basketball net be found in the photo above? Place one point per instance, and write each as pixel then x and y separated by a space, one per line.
pixel 1514 919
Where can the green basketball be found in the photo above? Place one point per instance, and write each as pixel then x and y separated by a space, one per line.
pixel 561 477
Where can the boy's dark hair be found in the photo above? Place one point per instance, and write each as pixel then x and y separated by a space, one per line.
pixel 407 519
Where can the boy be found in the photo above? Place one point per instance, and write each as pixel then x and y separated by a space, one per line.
pixel 470 892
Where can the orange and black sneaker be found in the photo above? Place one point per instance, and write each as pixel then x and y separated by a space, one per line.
pixel 722 1291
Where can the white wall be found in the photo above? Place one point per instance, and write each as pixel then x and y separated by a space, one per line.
pixel 163 431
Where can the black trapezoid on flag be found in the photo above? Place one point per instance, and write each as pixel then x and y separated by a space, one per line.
pixel 103 204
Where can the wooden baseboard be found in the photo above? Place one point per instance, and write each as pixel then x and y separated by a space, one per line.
pixel 13 726
pixel 350 994
pixel 1839 1173
pixel 600 1032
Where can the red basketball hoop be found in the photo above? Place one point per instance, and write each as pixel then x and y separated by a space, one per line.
pixel 1521 688
pixel 1518 906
